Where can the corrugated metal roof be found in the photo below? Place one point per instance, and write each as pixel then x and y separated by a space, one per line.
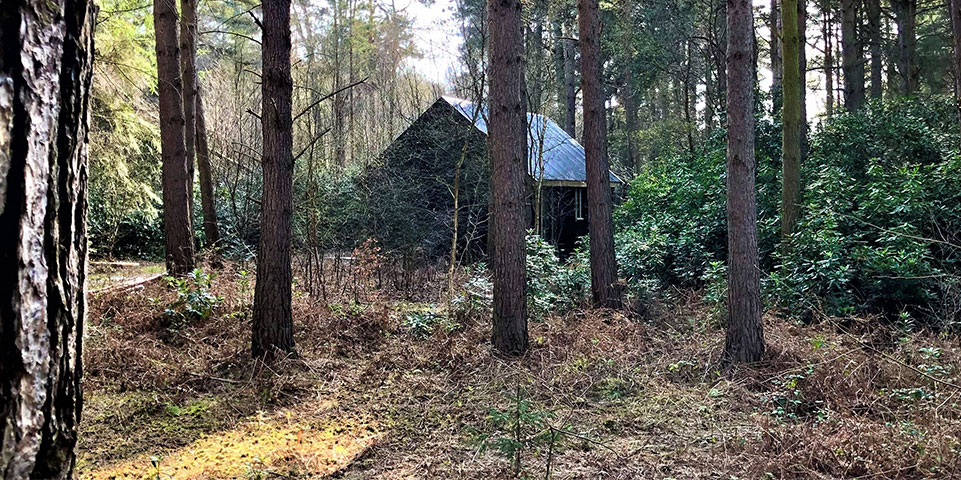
pixel 563 156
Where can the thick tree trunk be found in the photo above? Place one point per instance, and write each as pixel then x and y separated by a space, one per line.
pixel 774 25
pixel 791 117
pixel 873 8
pixel 45 77
pixel 745 336
pixel 188 72
pixel 207 200
pixel 176 197
pixel 272 316
pixel 827 30
pixel 852 61
pixel 955 13
pixel 603 267
pixel 508 151
pixel 905 14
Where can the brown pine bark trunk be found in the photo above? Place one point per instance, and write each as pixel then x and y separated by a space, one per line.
pixel 273 331
pixel 188 72
pixel 208 202
pixel 873 8
pixel 570 89
pixel 955 14
pixel 45 77
pixel 905 15
pixel 600 227
pixel 852 62
pixel 802 18
pixel 176 197
pixel 774 25
pixel 745 335
pixel 827 30
pixel 508 151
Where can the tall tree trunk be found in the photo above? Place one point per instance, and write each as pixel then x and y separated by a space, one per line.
pixel 603 267
pixel 955 14
pixel 630 120
pixel 272 317
pixel 208 202
pixel 802 21
pixel 340 98
pixel 508 151
pixel 905 14
pixel 188 72
pixel 745 335
pixel 791 129
pixel 45 77
pixel 827 30
pixel 176 197
pixel 560 83
pixel 873 8
pixel 774 25
pixel 851 58
pixel 570 89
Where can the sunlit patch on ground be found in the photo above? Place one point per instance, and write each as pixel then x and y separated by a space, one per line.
pixel 257 449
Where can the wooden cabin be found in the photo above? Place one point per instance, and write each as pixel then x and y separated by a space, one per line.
pixel 448 141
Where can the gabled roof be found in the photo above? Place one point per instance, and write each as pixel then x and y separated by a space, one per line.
pixel 563 156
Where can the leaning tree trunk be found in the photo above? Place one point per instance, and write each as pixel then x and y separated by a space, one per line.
pixel 176 198
pixel 791 129
pixel 272 316
pixel 508 151
pixel 45 74
pixel 745 335
pixel 207 201
pixel 600 226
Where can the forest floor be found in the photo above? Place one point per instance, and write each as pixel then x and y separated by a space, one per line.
pixel 601 394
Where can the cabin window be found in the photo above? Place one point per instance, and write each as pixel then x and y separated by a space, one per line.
pixel 579 203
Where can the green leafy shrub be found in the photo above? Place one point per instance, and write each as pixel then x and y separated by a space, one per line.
pixel 553 286
pixel 672 225
pixel 881 218
pixel 195 301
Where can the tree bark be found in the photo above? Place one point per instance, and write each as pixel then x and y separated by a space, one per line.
pixel 828 32
pixel 955 14
pixel 745 336
pixel 508 151
pixel 272 316
pixel 905 14
pixel 852 61
pixel 570 89
pixel 176 197
pixel 873 8
pixel 188 72
pixel 600 227
pixel 791 119
pixel 774 25
pixel 208 202
pixel 802 20
pixel 45 78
